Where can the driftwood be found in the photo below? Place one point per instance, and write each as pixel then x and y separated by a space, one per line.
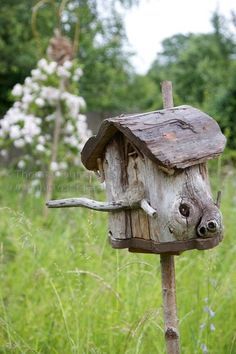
pixel 103 206
pixel 174 138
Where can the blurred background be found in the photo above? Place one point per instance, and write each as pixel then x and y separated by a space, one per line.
pixel 65 65
pixel 126 48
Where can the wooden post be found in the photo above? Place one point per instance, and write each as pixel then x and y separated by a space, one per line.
pixel 168 268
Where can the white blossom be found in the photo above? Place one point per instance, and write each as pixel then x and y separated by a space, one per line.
pixel 62 72
pixel 31 127
pixel 28 139
pixel 51 68
pixel 54 166
pixel 19 143
pixel 27 98
pixel 50 94
pixel 28 81
pixel 48 67
pixel 41 139
pixel 72 141
pixel 15 132
pixel 50 117
pixel 82 102
pixel 29 122
pixel 77 74
pixel 17 90
pixel 82 118
pixel 42 63
pixel 21 164
pixel 40 102
pixel 40 148
pixel 17 104
pixel 36 73
pixel 69 128
pixel 67 64
pixel 74 103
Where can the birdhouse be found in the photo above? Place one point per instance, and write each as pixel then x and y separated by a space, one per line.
pixel 159 200
pixel 155 170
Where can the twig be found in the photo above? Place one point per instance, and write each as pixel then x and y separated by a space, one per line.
pixel 147 208
pixel 102 206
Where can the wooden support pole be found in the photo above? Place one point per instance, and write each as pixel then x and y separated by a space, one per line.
pixel 168 268
pixel 169 304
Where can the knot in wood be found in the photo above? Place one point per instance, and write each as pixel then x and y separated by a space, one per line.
pixel 171 333
pixel 135 192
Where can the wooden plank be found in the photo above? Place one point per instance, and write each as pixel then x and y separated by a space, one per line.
pixel 139 220
pixel 116 184
pixel 150 246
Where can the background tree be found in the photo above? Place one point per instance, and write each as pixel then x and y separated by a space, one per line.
pixel 202 68
pixel 100 40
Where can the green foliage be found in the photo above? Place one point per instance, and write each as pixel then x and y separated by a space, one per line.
pixel 202 69
pixel 100 47
pixel 65 290
pixel 17 46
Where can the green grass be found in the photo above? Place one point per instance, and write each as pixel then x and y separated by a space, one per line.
pixel 65 290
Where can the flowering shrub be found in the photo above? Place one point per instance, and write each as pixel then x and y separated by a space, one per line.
pixel 29 124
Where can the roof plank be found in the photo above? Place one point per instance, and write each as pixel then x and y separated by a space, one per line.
pixel 174 138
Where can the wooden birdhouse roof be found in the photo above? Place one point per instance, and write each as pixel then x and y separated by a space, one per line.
pixel 174 138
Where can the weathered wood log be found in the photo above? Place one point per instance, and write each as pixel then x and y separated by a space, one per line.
pixel 136 175
pixel 92 204
pixel 116 184
pixel 103 206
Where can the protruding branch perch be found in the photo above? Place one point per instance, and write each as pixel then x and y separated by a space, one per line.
pixel 147 208
pixel 102 206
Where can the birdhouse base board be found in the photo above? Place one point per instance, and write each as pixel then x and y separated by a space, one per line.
pixel 148 246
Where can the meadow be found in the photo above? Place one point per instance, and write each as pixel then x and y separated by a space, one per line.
pixel 65 290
